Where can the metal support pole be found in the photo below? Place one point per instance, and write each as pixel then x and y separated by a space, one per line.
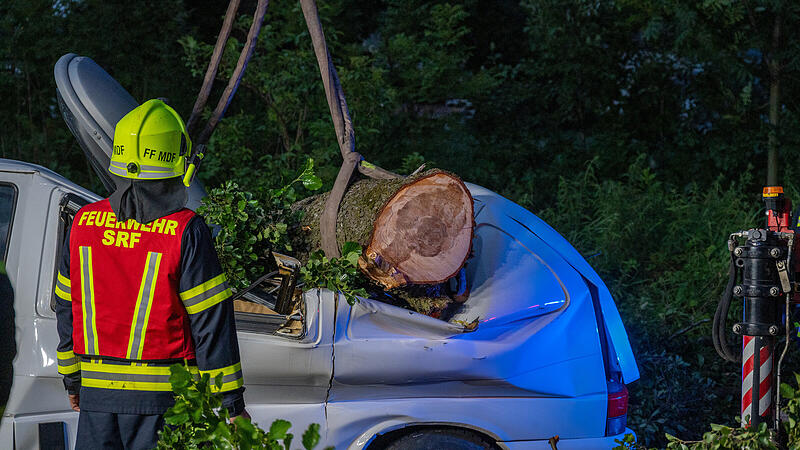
pixel 757 364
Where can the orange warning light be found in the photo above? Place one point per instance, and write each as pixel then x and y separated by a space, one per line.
pixel 772 191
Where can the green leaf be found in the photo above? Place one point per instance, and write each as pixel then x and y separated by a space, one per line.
pixel 278 429
pixel 352 258
pixel 309 167
pixel 311 182
pixel 311 436
pixel 221 435
pixel 177 419
pixel 244 426
pixel 287 441
pixel 196 414
pixel 351 247
pixel 178 408
pixel 787 391
pixel 179 377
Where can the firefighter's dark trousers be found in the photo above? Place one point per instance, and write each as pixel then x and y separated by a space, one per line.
pixel 100 430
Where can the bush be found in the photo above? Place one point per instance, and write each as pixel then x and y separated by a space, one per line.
pixel 198 420
pixel 337 274
pixel 662 251
pixel 724 437
pixel 252 224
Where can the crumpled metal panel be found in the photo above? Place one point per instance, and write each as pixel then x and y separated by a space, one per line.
pixel 370 353
pixel 536 226
pixel 508 276
pixel 537 343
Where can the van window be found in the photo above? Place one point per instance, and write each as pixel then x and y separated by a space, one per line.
pixel 8 199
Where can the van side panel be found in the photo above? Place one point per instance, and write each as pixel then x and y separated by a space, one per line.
pixel 619 337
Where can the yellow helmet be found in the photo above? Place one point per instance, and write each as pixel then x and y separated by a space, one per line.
pixel 150 143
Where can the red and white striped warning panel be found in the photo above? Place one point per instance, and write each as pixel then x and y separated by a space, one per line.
pixel 765 377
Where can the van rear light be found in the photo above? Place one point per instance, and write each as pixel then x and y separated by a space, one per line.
pixel 617 418
pixel 618 403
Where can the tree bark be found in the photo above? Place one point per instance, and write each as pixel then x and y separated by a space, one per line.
pixel 414 230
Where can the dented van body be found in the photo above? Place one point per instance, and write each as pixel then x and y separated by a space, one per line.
pixel 549 356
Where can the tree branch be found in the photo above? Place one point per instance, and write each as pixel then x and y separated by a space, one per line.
pixel 689 328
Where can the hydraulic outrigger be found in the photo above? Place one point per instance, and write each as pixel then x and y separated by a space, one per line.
pixel 762 272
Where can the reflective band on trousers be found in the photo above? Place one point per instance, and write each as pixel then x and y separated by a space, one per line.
pixel 87 305
pixel 141 314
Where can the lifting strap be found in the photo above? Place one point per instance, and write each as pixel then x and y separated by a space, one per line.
pixel 238 72
pixel 213 65
pixel 344 133
pixel 334 95
pixel 200 141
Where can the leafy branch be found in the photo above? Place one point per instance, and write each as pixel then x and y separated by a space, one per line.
pixel 337 274
pixel 198 420
pixel 251 225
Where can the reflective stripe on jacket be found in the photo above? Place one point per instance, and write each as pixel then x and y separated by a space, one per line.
pixel 124 286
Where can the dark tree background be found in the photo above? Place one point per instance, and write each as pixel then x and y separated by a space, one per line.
pixel 640 129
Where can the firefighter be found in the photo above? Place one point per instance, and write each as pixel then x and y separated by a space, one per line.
pixel 140 288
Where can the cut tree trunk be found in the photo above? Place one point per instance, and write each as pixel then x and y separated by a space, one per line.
pixel 414 230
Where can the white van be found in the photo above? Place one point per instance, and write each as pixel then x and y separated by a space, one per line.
pixel 549 357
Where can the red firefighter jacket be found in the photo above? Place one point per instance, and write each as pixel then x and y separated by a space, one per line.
pixel 126 297
pixel 133 299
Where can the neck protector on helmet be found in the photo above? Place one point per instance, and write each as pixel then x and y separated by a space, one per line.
pixel 146 201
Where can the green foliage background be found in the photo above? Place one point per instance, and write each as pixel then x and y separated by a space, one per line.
pixel 722 437
pixel 639 129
